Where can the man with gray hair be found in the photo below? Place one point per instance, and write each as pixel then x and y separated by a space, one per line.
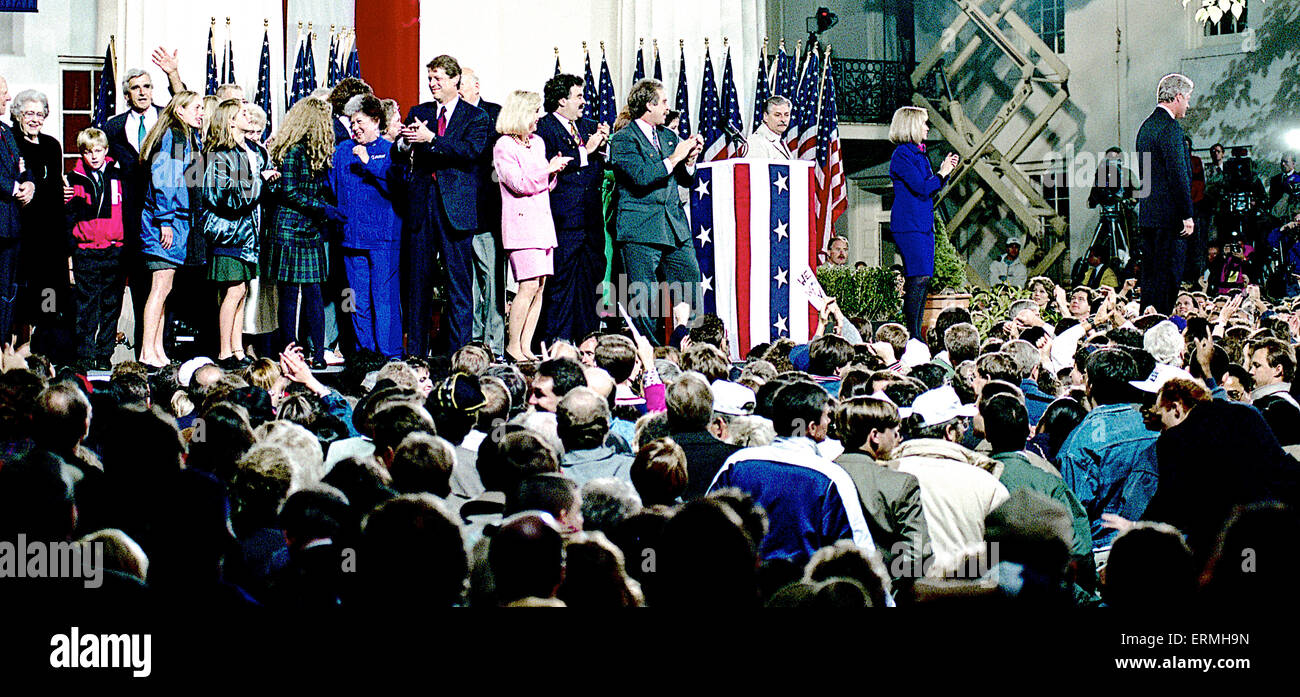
pixel 767 140
pixel 1028 360
pixel 582 421
pixel 690 402
pixel 1165 215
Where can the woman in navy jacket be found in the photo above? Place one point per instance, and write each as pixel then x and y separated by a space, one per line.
pixel 365 184
pixel 911 220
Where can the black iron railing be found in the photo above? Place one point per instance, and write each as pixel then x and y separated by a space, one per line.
pixel 869 91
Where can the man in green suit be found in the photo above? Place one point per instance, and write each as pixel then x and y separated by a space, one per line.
pixel 649 163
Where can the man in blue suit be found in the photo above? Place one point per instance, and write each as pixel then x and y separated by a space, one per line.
pixel 447 138
pixel 569 299
pixel 649 162
pixel 1165 215
pixel 16 191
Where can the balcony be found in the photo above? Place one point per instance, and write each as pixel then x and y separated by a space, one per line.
pixel 869 91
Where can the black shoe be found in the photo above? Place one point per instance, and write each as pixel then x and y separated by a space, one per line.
pixel 105 364
pixel 317 364
pixel 230 364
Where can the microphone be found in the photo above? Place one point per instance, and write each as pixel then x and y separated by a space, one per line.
pixel 735 139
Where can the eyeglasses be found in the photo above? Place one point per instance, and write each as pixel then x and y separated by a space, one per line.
pixel 39 115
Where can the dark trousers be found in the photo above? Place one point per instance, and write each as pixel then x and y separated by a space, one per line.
pixel 8 287
pixel 915 289
pixel 1164 251
pixel 100 283
pixel 569 298
pixel 645 267
pixel 435 233
pixel 306 322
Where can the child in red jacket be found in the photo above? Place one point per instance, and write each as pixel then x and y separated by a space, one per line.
pixel 94 206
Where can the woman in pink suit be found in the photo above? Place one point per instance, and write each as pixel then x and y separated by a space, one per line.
pixel 527 230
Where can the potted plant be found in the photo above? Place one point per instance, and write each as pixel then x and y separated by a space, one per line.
pixel 949 280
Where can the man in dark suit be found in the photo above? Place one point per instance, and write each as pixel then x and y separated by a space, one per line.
pixel 489 272
pixel 649 163
pixel 1165 216
pixel 126 131
pixel 569 299
pixel 16 191
pixel 447 137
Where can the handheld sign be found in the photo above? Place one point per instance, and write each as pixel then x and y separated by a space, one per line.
pixel 812 288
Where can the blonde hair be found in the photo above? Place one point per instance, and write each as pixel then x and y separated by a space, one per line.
pixel 264 373
pixel 221 134
pixel 210 103
pixel 308 123
pixel 168 120
pixel 908 125
pixel 518 112
pixel 89 138
pixel 256 115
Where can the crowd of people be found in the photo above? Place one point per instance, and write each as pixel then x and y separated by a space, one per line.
pixel 1085 449
pixel 1104 458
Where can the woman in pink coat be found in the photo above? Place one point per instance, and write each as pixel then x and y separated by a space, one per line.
pixel 527 231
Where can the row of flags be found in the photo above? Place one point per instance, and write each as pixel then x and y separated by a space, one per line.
pixel 343 63
pixel 807 81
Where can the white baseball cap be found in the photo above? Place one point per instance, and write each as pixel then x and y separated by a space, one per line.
pixel 938 406
pixel 188 368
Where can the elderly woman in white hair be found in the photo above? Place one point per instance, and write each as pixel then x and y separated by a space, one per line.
pixel 44 253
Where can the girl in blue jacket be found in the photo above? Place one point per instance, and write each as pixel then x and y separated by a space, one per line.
pixel 911 220
pixel 171 155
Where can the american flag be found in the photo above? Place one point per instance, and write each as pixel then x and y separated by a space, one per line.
pixel 106 94
pixel 802 134
pixel 297 91
pixel 212 81
pixel 710 112
pixel 353 68
pixel 639 71
pixel 332 75
pixel 683 102
pixel 309 67
pixel 832 185
pixel 761 90
pixel 752 227
pixel 589 94
pixel 659 67
pixel 783 75
pixel 608 104
pixel 731 120
pixel 263 97
pixel 228 61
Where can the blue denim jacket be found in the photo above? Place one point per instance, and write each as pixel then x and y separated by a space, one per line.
pixel 1109 462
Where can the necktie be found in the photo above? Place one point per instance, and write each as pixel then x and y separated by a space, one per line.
pixel 442 121
pixel 139 143
pixel 654 139
pixel 576 137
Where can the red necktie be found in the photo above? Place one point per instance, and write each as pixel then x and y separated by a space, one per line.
pixel 442 121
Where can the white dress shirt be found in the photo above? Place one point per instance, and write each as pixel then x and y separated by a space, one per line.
pixel 150 117
pixel 572 127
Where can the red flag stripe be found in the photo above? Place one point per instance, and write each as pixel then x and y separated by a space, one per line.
pixel 741 183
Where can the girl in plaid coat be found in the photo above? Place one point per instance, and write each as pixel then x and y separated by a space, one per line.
pixel 302 149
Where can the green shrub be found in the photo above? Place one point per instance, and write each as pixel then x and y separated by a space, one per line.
pixel 867 293
pixel 949 269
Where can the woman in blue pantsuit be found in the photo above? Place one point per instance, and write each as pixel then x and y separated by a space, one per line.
pixel 365 183
pixel 911 220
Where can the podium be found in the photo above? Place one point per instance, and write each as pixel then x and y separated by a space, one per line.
pixel 752 224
